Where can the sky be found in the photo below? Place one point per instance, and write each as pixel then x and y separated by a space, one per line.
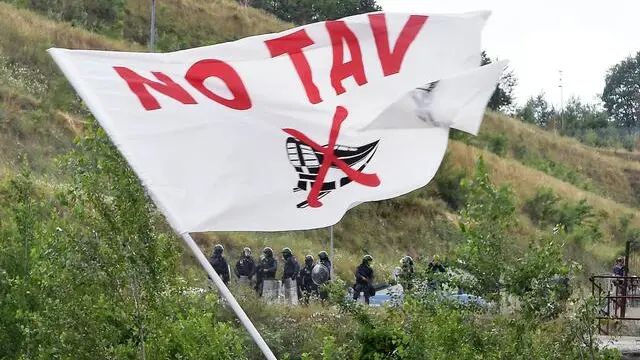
pixel 583 38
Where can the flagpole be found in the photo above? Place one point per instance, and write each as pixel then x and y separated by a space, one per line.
pixel 228 296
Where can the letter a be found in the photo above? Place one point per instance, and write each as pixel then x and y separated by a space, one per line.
pixel 340 32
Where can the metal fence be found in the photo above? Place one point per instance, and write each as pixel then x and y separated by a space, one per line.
pixel 618 297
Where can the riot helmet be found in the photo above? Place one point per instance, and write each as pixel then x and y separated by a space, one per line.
pixel 308 260
pixel 268 252
pixel 286 253
pixel 246 251
pixel 218 249
pixel 406 260
pixel 323 255
pixel 367 259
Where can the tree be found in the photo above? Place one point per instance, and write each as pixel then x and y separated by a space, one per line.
pixel 621 94
pixel 503 96
pixel 537 111
pixel 303 12
pixel 578 116
pixel 88 273
pixel 485 221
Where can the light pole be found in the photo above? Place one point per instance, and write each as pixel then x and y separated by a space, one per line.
pixel 331 249
pixel 152 30
pixel 561 103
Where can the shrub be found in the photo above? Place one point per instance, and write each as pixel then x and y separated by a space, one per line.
pixel 497 143
pixel 448 184
pixel 542 207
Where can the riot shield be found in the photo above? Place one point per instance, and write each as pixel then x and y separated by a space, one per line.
pixel 290 290
pixel 319 274
pixel 270 290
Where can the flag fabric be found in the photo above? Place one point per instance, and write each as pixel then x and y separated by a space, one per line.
pixel 287 131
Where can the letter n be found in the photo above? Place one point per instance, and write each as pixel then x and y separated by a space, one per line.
pixel 139 86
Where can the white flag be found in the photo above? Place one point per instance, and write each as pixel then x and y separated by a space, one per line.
pixel 288 131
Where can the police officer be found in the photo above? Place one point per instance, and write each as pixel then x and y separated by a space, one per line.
pixel 406 276
pixel 268 267
pixel 245 265
pixel 435 265
pixel 291 266
pixel 324 260
pixel 305 283
pixel 364 279
pixel 219 263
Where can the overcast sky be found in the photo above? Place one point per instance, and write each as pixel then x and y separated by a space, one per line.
pixel 539 37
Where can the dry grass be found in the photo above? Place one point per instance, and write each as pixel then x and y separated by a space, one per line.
pixel 615 177
pixel 25 36
pixel 524 180
pixel 191 23
pixel 70 122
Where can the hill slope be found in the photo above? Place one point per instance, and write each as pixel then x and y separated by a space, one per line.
pixel 40 115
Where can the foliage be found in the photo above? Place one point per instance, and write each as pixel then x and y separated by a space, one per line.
pixel 303 12
pixel 576 219
pixel 101 16
pixel 577 116
pixel 540 280
pixel 537 111
pixel 448 184
pixel 96 263
pixel 621 94
pixel 544 324
pixel 486 220
pixel 542 208
pixel 503 97
pixel 496 143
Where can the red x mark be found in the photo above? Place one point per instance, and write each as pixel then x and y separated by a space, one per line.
pixel 330 158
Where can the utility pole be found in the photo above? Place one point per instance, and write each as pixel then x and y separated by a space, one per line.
pixel 152 30
pixel 561 103
pixel 331 249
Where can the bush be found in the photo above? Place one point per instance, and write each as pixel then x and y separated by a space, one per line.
pixel 448 184
pixel 497 143
pixel 542 207
pixel 101 16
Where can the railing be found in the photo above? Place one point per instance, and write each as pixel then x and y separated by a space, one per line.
pixel 616 294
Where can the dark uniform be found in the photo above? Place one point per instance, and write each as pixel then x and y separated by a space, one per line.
pixel 306 286
pixel 219 263
pixel 406 277
pixel 245 266
pixel 364 279
pixel 267 268
pixel 324 260
pixel 435 266
pixel 291 266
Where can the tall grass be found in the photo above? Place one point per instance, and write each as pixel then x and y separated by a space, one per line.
pixel 613 176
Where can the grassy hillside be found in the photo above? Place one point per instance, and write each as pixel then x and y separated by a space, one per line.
pixel 40 115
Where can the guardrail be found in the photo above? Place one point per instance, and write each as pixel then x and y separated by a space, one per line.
pixel 615 294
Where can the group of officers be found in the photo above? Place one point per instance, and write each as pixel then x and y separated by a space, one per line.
pixel 247 269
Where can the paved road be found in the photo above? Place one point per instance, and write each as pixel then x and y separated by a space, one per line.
pixel 629 346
